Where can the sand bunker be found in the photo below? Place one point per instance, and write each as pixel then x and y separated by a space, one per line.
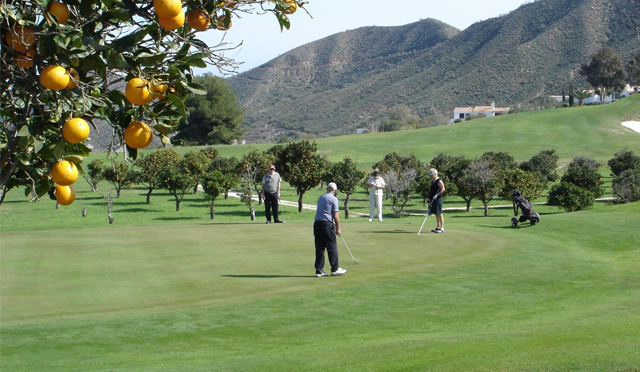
pixel 633 125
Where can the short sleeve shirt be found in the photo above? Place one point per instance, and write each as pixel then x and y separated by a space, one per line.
pixel 270 182
pixel 327 204
pixel 378 182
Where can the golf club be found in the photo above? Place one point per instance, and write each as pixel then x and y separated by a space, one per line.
pixel 280 210
pixel 345 244
pixel 428 211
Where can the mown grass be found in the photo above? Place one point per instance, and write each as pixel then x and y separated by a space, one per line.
pixel 174 291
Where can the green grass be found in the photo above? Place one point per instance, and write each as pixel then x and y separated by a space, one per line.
pixel 174 291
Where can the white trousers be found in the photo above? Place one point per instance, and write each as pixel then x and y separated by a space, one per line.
pixel 375 201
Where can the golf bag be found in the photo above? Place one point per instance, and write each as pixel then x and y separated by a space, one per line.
pixel 526 208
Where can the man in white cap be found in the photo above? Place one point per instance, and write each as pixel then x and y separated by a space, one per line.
pixel 376 184
pixel 271 194
pixel 325 235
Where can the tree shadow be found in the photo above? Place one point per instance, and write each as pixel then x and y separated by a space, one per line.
pixel 389 232
pixel 118 210
pixel 267 276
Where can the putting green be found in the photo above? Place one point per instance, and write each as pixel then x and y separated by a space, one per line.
pixel 96 273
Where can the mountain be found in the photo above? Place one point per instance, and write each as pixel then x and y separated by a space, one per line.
pixel 342 82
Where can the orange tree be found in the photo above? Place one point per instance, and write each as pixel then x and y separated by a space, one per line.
pixel 150 167
pixel 120 61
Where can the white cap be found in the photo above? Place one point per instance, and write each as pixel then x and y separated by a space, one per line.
pixel 332 186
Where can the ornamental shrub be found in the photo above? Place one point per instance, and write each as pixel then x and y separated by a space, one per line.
pixel 626 186
pixel 570 197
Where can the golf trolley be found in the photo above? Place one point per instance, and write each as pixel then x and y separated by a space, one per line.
pixel 523 204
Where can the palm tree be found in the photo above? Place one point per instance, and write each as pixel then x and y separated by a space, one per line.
pixel 581 95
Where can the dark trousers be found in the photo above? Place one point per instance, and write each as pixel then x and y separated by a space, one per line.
pixel 325 237
pixel 271 203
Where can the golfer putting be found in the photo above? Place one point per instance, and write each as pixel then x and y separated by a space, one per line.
pixel 325 228
pixel 436 193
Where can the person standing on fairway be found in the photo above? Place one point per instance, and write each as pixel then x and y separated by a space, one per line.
pixel 271 193
pixel 376 184
pixel 325 228
pixel 436 192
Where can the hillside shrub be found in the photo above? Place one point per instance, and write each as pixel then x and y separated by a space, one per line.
pixel 626 186
pixel 583 172
pixel 570 197
pixel 622 161
pixel 545 162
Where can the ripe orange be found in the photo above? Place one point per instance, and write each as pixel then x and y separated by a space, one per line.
pixel 172 23
pixel 64 173
pixel 198 19
pixel 291 8
pixel 137 91
pixel 75 130
pixel 54 77
pixel 25 59
pixel 138 135
pixel 65 195
pixel 159 90
pixel 21 38
pixel 167 8
pixel 221 25
pixel 60 11
pixel 73 77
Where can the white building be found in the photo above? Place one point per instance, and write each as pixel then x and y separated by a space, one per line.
pixel 627 91
pixel 489 111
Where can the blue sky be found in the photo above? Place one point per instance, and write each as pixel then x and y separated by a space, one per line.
pixel 262 40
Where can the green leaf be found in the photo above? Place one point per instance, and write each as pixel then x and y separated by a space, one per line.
pixel 165 140
pixel 196 63
pixel 24 131
pixel 146 59
pixel 196 89
pixel 179 104
pixel 183 51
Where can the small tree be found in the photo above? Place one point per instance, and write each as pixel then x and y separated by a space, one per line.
pixel 347 177
pixel 301 166
pixel 214 184
pixel 119 175
pixel 626 186
pixel 150 167
pixel 572 95
pixel 400 186
pixel 261 160
pixel 95 171
pixel 583 172
pixel 545 162
pixel 622 161
pixel 570 197
pixel 581 95
pixel 482 182
pixel 250 170
pixel 176 180
pixel 196 164
pixel 228 167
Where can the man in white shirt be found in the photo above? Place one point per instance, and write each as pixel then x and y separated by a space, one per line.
pixel 376 184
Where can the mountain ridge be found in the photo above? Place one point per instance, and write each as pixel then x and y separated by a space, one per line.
pixel 336 84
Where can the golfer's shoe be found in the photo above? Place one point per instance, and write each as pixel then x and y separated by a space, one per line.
pixel 340 271
pixel 268 222
pixel 280 221
pixel 320 275
pixel 438 230
pixel 380 219
pixel 514 222
pixel 370 219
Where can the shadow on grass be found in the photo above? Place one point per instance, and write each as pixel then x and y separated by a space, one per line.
pixel 507 227
pixel 118 210
pixel 176 218
pixel 389 232
pixel 267 276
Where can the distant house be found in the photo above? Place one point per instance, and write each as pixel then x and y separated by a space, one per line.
pixel 627 91
pixel 489 111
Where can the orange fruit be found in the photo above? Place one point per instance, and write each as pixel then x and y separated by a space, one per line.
pixel 59 10
pixel 73 77
pixel 20 38
pixel 65 195
pixel 172 23
pixel 137 91
pixel 221 25
pixel 167 8
pixel 159 90
pixel 54 77
pixel 64 173
pixel 198 19
pixel 291 8
pixel 75 130
pixel 25 59
pixel 138 135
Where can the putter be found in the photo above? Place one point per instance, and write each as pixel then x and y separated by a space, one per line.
pixel 427 216
pixel 280 210
pixel 345 244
